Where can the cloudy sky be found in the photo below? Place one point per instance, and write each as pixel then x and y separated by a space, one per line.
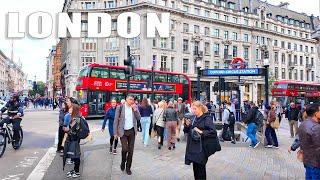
pixel 33 52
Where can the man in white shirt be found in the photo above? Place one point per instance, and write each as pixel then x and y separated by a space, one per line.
pixel 125 127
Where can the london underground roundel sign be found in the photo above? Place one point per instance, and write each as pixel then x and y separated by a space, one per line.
pixel 238 63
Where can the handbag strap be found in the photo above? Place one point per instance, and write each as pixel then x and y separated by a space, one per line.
pixel 159 116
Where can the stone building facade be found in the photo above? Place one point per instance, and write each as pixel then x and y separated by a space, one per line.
pixel 220 29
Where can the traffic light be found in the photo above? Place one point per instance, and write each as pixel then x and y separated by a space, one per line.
pixel 129 70
pixel 35 86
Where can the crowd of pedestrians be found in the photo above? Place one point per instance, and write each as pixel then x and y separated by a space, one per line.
pixel 164 121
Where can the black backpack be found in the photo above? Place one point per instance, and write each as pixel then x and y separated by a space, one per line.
pixel 232 118
pixel 84 130
pixel 258 119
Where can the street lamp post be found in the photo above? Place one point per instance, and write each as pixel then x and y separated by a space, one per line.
pixel 266 63
pixel 199 65
pixel 152 77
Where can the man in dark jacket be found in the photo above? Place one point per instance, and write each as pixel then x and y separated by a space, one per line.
pixel 293 116
pixel 309 134
pixel 252 125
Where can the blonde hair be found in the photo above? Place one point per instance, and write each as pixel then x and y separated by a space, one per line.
pixel 170 104
pixel 199 104
pixel 162 104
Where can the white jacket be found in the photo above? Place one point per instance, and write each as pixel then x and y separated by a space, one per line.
pixel 158 117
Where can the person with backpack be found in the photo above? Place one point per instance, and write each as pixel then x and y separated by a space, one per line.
pixel 110 117
pixel 270 133
pixel 72 144
pixel 252 122
pixel 228 120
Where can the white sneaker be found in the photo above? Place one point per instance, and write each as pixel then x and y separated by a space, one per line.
pixel 255 146
pixel 268 146
pixel 275 147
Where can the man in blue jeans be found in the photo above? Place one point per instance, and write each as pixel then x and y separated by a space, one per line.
pixel 309 134
pixel 252 126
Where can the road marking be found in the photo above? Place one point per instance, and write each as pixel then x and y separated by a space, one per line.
pixel 27 162
pixel 43 165
pixel 13 177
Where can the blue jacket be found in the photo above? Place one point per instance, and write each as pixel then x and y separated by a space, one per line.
pixel 109 116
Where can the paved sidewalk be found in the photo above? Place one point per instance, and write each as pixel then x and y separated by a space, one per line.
pixel 233 162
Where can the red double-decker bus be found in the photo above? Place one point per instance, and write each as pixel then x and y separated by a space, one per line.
pixel 292 91
pixel 98 84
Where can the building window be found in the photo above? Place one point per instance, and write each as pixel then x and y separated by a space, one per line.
pixel 290 74
pixel 185 27
pixel 234 36
pixel 234 51
pixel 88 60
pixel 173 42
pixel 185 65
pixel 207 13
pixel 185 45
pixel 134 42
pixel 301 75
pixel 275 28
pixel 206 64
pixel 216 49
pixel 114 25
pixel 301 61
pixel 289 31
pixel 172 24
pixel 235 20
pixel 216 65
pixel 312 50
pixel 207 48
pixel 112 60
pixel 289 58
pixel 112 43
pixel 282 44
pixel 258 40
pixel 295 74
pixel 312 62
pixel 295 60
pixel 307 36
pixel 295 47
pixel 197 11
pixel 226 51
pixel 263 40
pixel 163 43
pixel 226 18
pixel 186 8
pixel 276 72
pixel 306 48
pixel 231 5
pixel 283 58
pixel 216 33
pixel 307 74
pixel 276 57
pixel 173 4
pixel 246 22
pixel 289 45
pixel 282 30
pixel 206 31
pixel 89 44
pixel 196 29
pixel 312 75
pixel 307 60
pixel 294 33
pixel 275 42
pixel 163 65
pixel 246 38
pixel 172 64
pixel 301 48
pixel 84 26
pixel 226 34
pixel 246 52
pixel 283 73
pixel 216 16
pixel 257 54
pixel 154 42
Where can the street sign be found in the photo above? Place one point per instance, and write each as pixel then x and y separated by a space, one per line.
pixel 233 72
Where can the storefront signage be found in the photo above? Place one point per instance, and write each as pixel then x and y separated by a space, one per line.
pixel 233 72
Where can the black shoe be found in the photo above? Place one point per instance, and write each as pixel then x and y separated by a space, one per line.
pixel 169 148
pixel 122 166
pixel 233 142
pixel 159 146
pixel 173 146
pixel 178 139
pixel 128 171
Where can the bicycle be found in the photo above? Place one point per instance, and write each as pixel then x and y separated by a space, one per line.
pixel 7 132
